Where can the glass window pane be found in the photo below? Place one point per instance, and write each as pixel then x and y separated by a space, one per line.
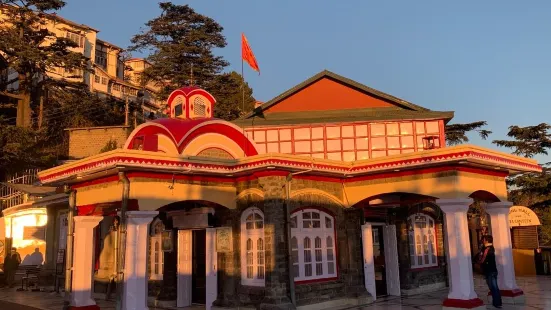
pixel 273 147
pixel 347 131
pixel 406 128
pixel 393 152
pixel 285 147
pixel 362 143
pixel 317 133
pixel 331 267
pixel 318 155
pixel 330 256
pixel 407 142
pixel 333 145
pixel 315 215
pixel 319 268
pixel 406 151
pixel 307 256
pixel 377 154
pixel 333 132
pixel 420 142
pixel 294 222
pixel 308 270
pixel 284 134
pixel 272 135
pixel 302 133
pixel 420 127
pixel 378 143
pixel 432 127
pixel 348 144
pixel 393 142
pixel 377 129
pixel 348 156
pixel 362 155
pixel 261 147
pixel 361 130
pixel 317 146
pixel 392 129
pixel 302 146
pixel 306 215
pixel 328 224
pixel 316 224
pixel 334 156
pixel 260 136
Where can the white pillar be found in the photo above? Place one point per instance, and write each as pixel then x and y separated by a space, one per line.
pixel 458 255
pixel 501 232
pixel 135 259
pixel 83 259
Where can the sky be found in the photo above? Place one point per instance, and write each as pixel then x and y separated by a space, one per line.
pixel 486 60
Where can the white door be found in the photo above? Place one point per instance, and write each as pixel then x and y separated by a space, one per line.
pixel 184 286
pixel 211 268
pixel 391 261
pixel 369 267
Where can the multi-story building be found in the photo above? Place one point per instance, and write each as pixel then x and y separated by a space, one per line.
pixel 107 76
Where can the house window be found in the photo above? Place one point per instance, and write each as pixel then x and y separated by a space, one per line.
pixel 313 245
pixel 422 241
pixel 75 37
pixel 101 57
pixel 252 247
pixel 104 80
pixel 117 87
pixel 156 260
pixel 97 78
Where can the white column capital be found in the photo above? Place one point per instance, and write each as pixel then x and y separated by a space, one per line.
pixel 140 217
pixel 87 221
pixel 454 205
pixel 501 207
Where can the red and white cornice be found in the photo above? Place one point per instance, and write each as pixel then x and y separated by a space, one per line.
pixel 158 162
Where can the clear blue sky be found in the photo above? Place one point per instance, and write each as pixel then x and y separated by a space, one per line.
pixel 485 60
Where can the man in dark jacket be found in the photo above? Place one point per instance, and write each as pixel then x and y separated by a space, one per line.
pixel 487 258
pixel 11 263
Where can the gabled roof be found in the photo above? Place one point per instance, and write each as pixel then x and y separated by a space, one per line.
pixel 347 82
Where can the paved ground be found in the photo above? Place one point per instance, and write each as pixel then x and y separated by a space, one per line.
pixel 11 306
pixel 536 289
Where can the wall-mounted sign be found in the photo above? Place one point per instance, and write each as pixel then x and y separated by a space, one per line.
pixel 224 241
pixel 167 241
pixel 522 216
pixel 34 233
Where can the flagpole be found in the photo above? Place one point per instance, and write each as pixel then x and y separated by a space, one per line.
pixel 242 80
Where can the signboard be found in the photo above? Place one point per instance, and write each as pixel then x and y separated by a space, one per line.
pixel 167 241
pixel 34 233
pixel 224 240
pixel 60 256
pixel 522 216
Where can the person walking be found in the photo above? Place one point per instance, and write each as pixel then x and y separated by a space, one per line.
pixel 487 259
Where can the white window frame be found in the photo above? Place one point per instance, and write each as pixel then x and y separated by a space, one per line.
pixel 253 236
pixel 418 243
pixel 326 232
pixel 156 238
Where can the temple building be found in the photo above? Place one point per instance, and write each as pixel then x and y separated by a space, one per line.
pixel 331 194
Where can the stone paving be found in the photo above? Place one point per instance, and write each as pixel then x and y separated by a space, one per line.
pixel 536 289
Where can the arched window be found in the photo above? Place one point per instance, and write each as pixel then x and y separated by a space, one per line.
pixel 422 241
pixel 313 245
pixel 156 260
pixel 252 247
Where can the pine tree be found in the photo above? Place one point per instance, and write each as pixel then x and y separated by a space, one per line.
pixel 180 41
pixel 531 189
pixel 30 49
pixel 457 133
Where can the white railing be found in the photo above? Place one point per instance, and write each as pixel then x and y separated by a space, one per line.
pixel 10 197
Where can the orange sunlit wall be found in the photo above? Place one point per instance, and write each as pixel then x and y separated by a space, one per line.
pixel 348 142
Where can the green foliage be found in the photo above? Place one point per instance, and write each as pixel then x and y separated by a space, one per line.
pixel 32 50
pixel 457 133
pixel 531 189
pixel 178 40
pixel 22 148
pixel 528 141
pixel 229 96
pixel 109 146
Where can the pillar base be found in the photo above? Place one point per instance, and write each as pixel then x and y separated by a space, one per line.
pixel 90 307
pixel 510 297
pixel 457 304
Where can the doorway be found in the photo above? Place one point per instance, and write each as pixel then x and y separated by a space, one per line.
pixel 379 260
pixel 198 279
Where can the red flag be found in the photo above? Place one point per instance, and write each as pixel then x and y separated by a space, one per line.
pixel 247 54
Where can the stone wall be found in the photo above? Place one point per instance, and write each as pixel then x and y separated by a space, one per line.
pixel 84 142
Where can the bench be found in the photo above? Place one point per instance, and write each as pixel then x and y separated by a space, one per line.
pixel 29 274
